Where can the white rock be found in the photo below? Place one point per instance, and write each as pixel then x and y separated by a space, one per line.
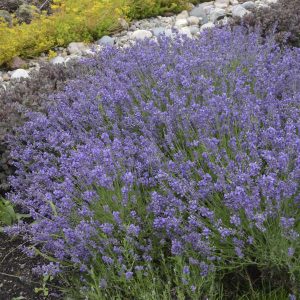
pixel 270 1
pixel 192 20
pixel 181 23
pixel 57 60
pixel 234 2
pixel 261 4
pixel 217 13
pixel 106 40
pixel 239 11
pixel 221 3
pixel 208 25
pixel 249 5
pixel 208 9
pixel 76 48
pixel 183 15
pixel 169 32
pixel 194 29
pixel 185 31
pixel 158 31
pixel 89 52
pixel 19 73
pixel 200 11
pixel 141 34
pixel 71 57
pixel 6 77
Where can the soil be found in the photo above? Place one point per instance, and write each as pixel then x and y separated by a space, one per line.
pixel 17 280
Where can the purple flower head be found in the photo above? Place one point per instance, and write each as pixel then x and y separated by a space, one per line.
pixel 291 252
pixel 287 223
pixel 107 260
pixel 186 270
pixel 176 247
pixel 107 228
pixel 103 283
pixel 133 230
pixel 129 275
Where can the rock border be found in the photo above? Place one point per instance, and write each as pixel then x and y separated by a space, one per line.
pixel 191 23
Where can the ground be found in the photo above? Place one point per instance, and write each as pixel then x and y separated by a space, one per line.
pixel 16 278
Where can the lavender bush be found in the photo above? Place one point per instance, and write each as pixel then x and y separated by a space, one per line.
pixel 30 94
pixel 172 171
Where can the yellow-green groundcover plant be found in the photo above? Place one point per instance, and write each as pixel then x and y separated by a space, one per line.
pixel 75 20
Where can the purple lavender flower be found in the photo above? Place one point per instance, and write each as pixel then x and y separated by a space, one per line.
pixel 291 251
pixel 103 283
pixel 193 288
pixel 186 270
pixel 129 275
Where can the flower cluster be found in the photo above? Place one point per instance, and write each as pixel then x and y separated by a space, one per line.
pixel 183 147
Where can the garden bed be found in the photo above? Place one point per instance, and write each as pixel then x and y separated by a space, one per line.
pixel 165 170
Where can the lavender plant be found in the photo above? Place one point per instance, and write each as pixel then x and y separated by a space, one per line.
pixel 170 171
pixel 29 94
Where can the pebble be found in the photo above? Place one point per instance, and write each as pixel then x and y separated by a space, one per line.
pixel 71 57
pixel 248 5
pixel 106 40
pixel 76 48
pixel 208 9
pixel 221 3
pixel 199 12
pixel 181 23
pixel 57 60
pixel 270 1
pixel 5 77
pixel 19 73
pixel 192 20
pixel 183 15
pixel 217 14
pixel 208 25
pixel 185 31
pixel 141 34
pixel 261 4
pixel 194 29
pixel 169 32
pixel 239 11
pixel 158 31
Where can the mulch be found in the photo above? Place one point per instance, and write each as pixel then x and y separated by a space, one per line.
pixel 17 281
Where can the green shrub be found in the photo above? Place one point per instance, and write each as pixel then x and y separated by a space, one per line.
pixel 149 8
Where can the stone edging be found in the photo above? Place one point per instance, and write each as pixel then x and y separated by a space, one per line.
pixel 201 17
